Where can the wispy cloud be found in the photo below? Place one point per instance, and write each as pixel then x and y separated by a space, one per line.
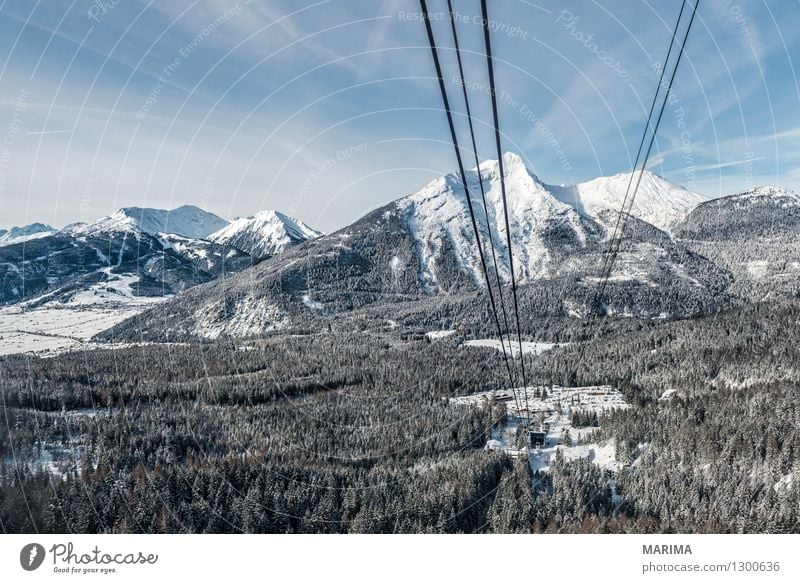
pixel 268 95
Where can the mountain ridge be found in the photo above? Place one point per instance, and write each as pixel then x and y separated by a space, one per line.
pixel 658 201
pixel 25 233
pixel 418 247
pixel 266 233
pixel 187 221
pixel 423 246
pixel 157 252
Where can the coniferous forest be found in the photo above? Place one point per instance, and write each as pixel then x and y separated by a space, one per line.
pixel 328 432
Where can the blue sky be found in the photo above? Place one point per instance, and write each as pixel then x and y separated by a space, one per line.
pixel 326 109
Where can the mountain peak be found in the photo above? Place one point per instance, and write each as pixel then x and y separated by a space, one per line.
pixel 25 233
pixel 773 192
pixel 647 175
pixel 512 164
pixel 658 201
pixel 266 233
pixel 438 218
pixel 186 221
pixel 514 161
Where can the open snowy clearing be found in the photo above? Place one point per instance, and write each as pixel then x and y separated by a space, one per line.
pixel 535 348
pixel 439 334
pixel 51 330
pixel 58 327
pixel 550 409
pixel 785 483
pixel 548 400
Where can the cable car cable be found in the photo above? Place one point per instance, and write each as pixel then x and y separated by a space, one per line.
pixel 477 167
pixel 493 93
pixel 624 215
pixel 446 102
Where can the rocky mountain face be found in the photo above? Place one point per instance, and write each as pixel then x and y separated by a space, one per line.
pixel 423 246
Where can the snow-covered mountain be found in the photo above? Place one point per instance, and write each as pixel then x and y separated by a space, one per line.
pixel 264 234
pixel 541 226
pixel 658 201
pixel 754 235
pixel 423 245
pixel 155 252
pixel 186 221
pixel 206 256
pixel 546 221
pixel 757 212
pixel 146 251
pixel 26 233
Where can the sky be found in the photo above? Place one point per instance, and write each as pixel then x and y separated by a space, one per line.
pixel 327 109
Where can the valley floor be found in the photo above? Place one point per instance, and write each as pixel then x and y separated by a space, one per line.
pixel 56 327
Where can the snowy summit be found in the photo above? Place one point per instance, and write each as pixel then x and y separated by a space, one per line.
pixel 26 233
pixel 186 221
pixel 658 201
pixel 545 220
pixel 264 234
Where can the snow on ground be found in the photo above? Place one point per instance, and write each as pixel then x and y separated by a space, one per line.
pixel 535 348
pixel 439 334
pixel 55 329
pixel 251 317
pixel 50 458
pixel 668 395
pixel 115 289
pixel 313 304
pixel 62 326
pixel 604 455
pixel 56 457
pixel 550 410
pixel 757 269
pixel 599 399
pixel 394 264
pixel 785 483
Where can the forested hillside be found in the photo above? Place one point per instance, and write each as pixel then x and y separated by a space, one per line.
pixel 334 432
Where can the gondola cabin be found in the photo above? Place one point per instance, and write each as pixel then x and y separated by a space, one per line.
pixel 536 438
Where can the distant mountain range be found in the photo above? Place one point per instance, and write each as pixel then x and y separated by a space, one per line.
pixel 187 221
pixel 26 233
pixel 681 257
pixel 134 252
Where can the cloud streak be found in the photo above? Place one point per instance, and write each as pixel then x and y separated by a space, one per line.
pixel 278 87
